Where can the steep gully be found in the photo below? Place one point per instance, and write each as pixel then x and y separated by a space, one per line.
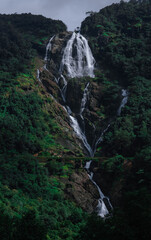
pixel 78 61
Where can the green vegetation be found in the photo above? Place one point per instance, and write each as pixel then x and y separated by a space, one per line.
pixel 120 39
pixel 32 189
pixel 32 202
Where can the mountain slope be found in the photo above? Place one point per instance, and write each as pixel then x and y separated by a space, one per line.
pixel 42 176
pixel 32 202
pixel 119 36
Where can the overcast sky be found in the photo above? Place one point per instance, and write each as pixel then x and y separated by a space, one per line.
pixel 71 12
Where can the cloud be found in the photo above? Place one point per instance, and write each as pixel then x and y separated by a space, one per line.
pixel 71 12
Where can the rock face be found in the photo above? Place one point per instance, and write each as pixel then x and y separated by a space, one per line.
pixel 50 85
pixel 81 190
pixel 58 44
pixel 74 95
pixel 78 187
pixel 92 121
pixel 110 186
pixel 111 183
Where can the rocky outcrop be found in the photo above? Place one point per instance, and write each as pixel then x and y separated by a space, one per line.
pixel 111 183
pixel 48 81
pixel 81 190
pixel 53 83
pixel 74 94
pixel 78 186
pixel 92 121
pixel 58 44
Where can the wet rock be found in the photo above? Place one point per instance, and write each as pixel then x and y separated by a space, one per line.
pixel 81 190
pixel 110 183
pixel 47 80
pixel 74 95
pixel 95 96
pixel 58 44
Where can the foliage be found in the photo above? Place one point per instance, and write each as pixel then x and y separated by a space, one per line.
pixel 32 204
pixel 122 34
pixel 32 201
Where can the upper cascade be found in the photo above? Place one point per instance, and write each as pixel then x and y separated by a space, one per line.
pixel 77 58
pixel 48 48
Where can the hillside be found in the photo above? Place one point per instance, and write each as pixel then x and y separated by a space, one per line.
pixel 31 197
pixel 119 36
pixel 62 107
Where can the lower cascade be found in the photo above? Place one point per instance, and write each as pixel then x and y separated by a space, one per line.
pixel 78 61
pixel 102 210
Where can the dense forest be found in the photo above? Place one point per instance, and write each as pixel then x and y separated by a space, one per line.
pixel 33 201
pixel 121 38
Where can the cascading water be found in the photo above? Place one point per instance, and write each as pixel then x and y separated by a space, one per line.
pixel 48 49
pixel 124 101
pixel 84 99
pixel 77 58
pixel 101 207
pixel 38 75
pixel 100 139
pixel 64 88
pixel 80 134
pixel 82 108
pixel 77 61
pixel 102 210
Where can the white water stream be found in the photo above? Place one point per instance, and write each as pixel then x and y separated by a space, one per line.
pixel 38 75
pixel 84 98
pixel 48 49
pixel 124 101
pixel 46 58
pixel 78 61
pixel 77 58
pixel 79 65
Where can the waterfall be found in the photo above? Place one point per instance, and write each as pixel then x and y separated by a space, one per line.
pixel 77 61
pixel 48 49
pixel 77 58
pixel 100 139
pixel 101 209
pixel 84 98
pixel 124 101
pixel 38 75
pixel 80 134
pixel 76 127
pixel 64 88
pixel 73 121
